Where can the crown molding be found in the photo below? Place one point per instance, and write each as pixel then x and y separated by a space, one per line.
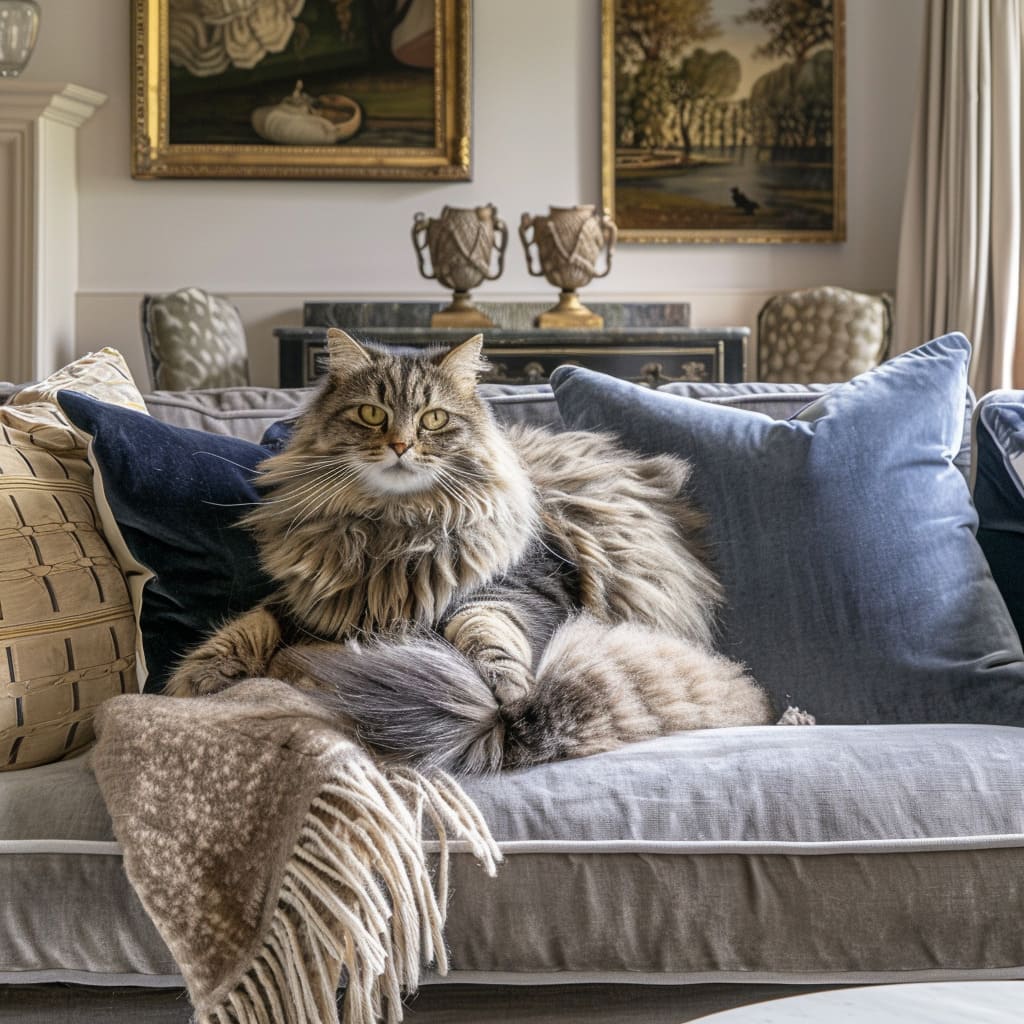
pixel 63 102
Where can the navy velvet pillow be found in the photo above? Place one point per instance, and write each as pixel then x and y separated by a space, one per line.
pixel 175 496
pixel 844 538
pixel 999 494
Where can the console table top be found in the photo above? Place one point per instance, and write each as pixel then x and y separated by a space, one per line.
pixel 506 315
pixel 533 336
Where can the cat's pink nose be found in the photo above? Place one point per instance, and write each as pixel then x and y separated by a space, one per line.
pixel 398 447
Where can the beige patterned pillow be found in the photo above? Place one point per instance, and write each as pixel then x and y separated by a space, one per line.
pixel 67 630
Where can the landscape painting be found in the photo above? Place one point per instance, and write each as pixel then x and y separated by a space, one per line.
pixel 302 88
pixel 723 120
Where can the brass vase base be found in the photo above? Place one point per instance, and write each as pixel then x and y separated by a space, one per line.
pixel 569 312
pixel 460 312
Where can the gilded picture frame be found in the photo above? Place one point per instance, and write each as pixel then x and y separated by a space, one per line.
pixel 351 89
pixel 725 121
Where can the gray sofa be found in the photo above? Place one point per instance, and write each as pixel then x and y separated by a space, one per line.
pixel 658 883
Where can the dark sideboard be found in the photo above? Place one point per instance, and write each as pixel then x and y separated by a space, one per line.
pixel 649 343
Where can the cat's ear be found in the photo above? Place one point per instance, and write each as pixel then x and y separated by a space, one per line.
pixel 466 360
pixel 345 354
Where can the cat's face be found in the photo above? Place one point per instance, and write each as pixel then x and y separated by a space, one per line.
pixel 400 426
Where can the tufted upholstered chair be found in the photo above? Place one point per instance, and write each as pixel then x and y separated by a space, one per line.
pixel 193 340
pixel 822 335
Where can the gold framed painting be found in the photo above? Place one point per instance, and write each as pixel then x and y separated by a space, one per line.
pixel 301 89
pixel 724 120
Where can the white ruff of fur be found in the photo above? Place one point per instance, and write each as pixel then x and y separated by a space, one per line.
pixel 351 557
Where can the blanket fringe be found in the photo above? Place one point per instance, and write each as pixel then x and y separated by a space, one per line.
pixel 357 899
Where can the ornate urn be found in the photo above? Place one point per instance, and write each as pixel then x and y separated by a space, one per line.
pixel 461 243
pixel 569 242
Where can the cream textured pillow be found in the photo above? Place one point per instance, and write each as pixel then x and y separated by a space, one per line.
pixel 67 630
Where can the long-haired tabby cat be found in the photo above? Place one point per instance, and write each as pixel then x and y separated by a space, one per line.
pixel 474 598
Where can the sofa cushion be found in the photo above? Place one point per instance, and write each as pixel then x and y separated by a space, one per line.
pixel 844 538
pixel 244 412
pixel 999 494
pixel 758 854
pixel 248 412
pixel 171 498
pixel 782 401
pixel 67 631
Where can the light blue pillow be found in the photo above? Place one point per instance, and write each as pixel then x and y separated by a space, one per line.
pixel 999 494
pixel 844 538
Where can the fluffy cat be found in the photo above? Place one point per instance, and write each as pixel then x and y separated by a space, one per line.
pixel 471 598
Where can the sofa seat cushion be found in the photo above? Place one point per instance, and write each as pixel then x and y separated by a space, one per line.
pixel 801 855
pixel 68 912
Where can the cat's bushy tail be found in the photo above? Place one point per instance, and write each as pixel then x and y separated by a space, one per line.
pixel 597 687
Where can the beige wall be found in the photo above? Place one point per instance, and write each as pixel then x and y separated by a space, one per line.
pixel 536 142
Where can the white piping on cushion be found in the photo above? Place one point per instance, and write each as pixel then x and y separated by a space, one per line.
pixel 60 976
pixel 543 978
pixel 70 847
pixel 929 844
pixel 559 847
pixel 540 978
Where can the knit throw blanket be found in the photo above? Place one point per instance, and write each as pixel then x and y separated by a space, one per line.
pixel 275 857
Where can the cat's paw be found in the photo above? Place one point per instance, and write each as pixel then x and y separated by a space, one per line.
pixel 240 650
pixel 199 675
pixel 794 716
pixel 508 681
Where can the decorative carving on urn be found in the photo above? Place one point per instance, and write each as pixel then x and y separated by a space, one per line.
pixel 461 243
pixel 569 242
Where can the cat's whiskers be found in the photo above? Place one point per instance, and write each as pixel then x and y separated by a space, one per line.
pixel 294 496
pixel 475 502
pixel 311 498
pixel 314 504
pixel 292 493
pixel 450 486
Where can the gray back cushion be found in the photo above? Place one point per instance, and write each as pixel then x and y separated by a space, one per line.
pixel 247 412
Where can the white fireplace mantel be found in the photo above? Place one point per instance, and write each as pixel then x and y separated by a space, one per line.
pixel 39 122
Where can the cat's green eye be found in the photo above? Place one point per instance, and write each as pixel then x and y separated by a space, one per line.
pixel 371 415
pixel 434 419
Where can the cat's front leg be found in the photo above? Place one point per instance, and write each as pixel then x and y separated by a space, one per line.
pixel 492 637
pixel 238 650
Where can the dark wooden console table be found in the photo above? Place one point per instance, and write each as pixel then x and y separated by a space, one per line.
pixel 630 346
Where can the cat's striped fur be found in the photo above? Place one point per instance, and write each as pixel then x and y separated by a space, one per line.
pixel 514 596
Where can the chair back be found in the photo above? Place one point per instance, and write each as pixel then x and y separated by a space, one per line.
pixel 193 340
pixel 822 335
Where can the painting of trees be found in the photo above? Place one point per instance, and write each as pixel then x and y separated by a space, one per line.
pixel 724 116
pixel 795 27
pixel 649 47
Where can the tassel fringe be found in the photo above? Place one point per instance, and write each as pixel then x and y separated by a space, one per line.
pixel 357 901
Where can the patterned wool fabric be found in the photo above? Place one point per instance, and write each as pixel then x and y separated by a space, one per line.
pixel 271 853
pixel 67 630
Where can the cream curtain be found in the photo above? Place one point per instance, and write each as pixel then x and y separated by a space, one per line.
pixel 960 241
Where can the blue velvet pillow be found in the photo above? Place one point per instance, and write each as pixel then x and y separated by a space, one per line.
pixel 175 496
pixel 844 537
pixel 999 494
